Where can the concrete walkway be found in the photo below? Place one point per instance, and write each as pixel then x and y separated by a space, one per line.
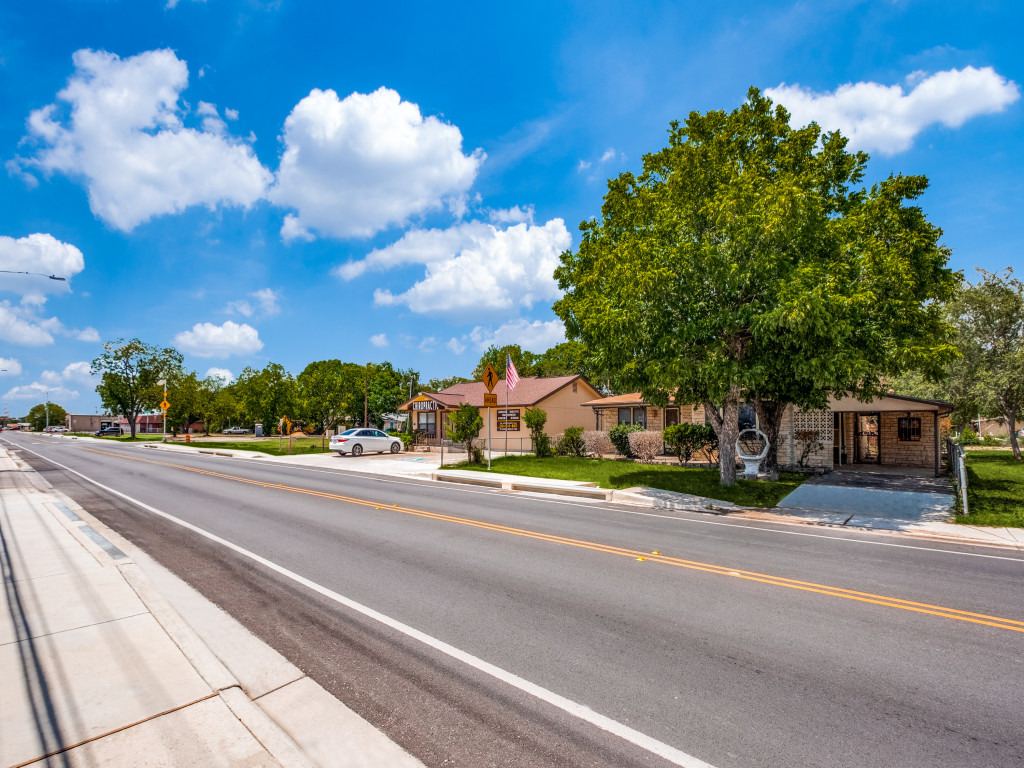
pixel 100 669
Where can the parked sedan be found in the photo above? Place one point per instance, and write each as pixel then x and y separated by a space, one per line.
pixel 355 441
pixel 236 431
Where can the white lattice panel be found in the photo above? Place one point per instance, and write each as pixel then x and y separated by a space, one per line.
pixel 819 421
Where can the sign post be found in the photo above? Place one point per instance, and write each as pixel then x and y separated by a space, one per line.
pixel 490 379
pixel 164 406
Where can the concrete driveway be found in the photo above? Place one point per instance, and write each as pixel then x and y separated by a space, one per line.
pixel 874 498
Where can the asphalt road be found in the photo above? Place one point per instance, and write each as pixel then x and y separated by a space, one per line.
pixel 736 643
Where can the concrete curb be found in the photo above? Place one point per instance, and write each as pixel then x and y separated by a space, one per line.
pixel 579 490
pixel 209 667
pixel 283 739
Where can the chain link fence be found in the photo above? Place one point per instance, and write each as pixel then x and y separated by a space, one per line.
pixel 958 468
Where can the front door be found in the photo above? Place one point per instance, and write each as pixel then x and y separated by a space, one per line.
pixel 671 419
pixel 866 448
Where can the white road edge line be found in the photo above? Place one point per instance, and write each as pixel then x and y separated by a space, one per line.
pixel 845 536
pixel 624 732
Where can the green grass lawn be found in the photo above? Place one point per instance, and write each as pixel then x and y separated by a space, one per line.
pixel 269 445
pixel 608 473
pixel 995 489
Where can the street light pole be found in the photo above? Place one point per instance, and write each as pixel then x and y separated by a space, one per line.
pixel 47 410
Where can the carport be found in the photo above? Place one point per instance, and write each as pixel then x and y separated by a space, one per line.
pixel 895 432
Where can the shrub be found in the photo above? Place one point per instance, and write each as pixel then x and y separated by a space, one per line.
pixel 597 443
pixel 571 443
pixel 808 443
pixel 405 437
pixel 476 453
pixel 989 440
pixel 969 437
pixel 620 438
pixel 535 420
pixel 645 445
pixel 684 441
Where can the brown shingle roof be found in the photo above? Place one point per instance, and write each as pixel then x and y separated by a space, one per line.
pixel 529 391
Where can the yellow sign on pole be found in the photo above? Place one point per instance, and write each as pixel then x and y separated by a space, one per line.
pixel 490 400
pixel 490 378
pixel 164 405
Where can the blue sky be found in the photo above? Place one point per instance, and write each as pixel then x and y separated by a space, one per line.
pixel 293 181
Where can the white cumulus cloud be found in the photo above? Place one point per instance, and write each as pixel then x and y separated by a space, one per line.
pixel 20 326
pixel 471 267
pixel 219 373
pixel 355 166
pixel 535 336
pixel 209 340
pixel 887 118
pixel 379 340
pixel 40 391
pixel 10 367
pixel 42 253
pixel 264 301
pixel 118 125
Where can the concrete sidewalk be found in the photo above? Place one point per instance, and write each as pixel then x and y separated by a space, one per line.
pixel 100 669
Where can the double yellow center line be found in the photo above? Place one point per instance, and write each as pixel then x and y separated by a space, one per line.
pixel 653 557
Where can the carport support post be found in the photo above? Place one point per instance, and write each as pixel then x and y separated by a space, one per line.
pixel 936 423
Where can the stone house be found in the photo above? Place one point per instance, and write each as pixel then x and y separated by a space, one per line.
pixel 890 431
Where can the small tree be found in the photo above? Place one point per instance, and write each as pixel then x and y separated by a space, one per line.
pixel 464 425
pixel 535 420
pixel 571 443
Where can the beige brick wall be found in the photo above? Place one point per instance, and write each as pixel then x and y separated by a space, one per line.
pixel 916 453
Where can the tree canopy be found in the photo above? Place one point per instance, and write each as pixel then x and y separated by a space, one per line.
pixel 130 371
pixel 746 263
pixel 989 321
pixel 37 416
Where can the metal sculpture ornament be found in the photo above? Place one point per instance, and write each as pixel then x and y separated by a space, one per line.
pixel 752 447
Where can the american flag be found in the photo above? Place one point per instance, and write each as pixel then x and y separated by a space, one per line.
pixel 511 374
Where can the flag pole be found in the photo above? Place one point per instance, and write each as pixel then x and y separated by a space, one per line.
pixel 506 406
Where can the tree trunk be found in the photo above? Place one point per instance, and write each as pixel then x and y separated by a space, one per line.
pixel 769 413
pixel 727 428
pixel 1011 423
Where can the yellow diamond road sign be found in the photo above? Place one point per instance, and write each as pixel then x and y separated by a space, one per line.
pixel 165 405
pixel 490 378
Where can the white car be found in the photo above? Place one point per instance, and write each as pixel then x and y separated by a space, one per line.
pixel 355 441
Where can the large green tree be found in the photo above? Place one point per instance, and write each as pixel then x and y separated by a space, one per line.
pixel 188 398
pixel 320 388
pixel 496 356
pixel 130 371
pixel 989 320
pixel 37 417
pixel 745 263
pixel 266 395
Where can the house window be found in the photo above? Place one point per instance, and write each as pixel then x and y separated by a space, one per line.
pixel 427 423
pixel 908 429
pixel 636 415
